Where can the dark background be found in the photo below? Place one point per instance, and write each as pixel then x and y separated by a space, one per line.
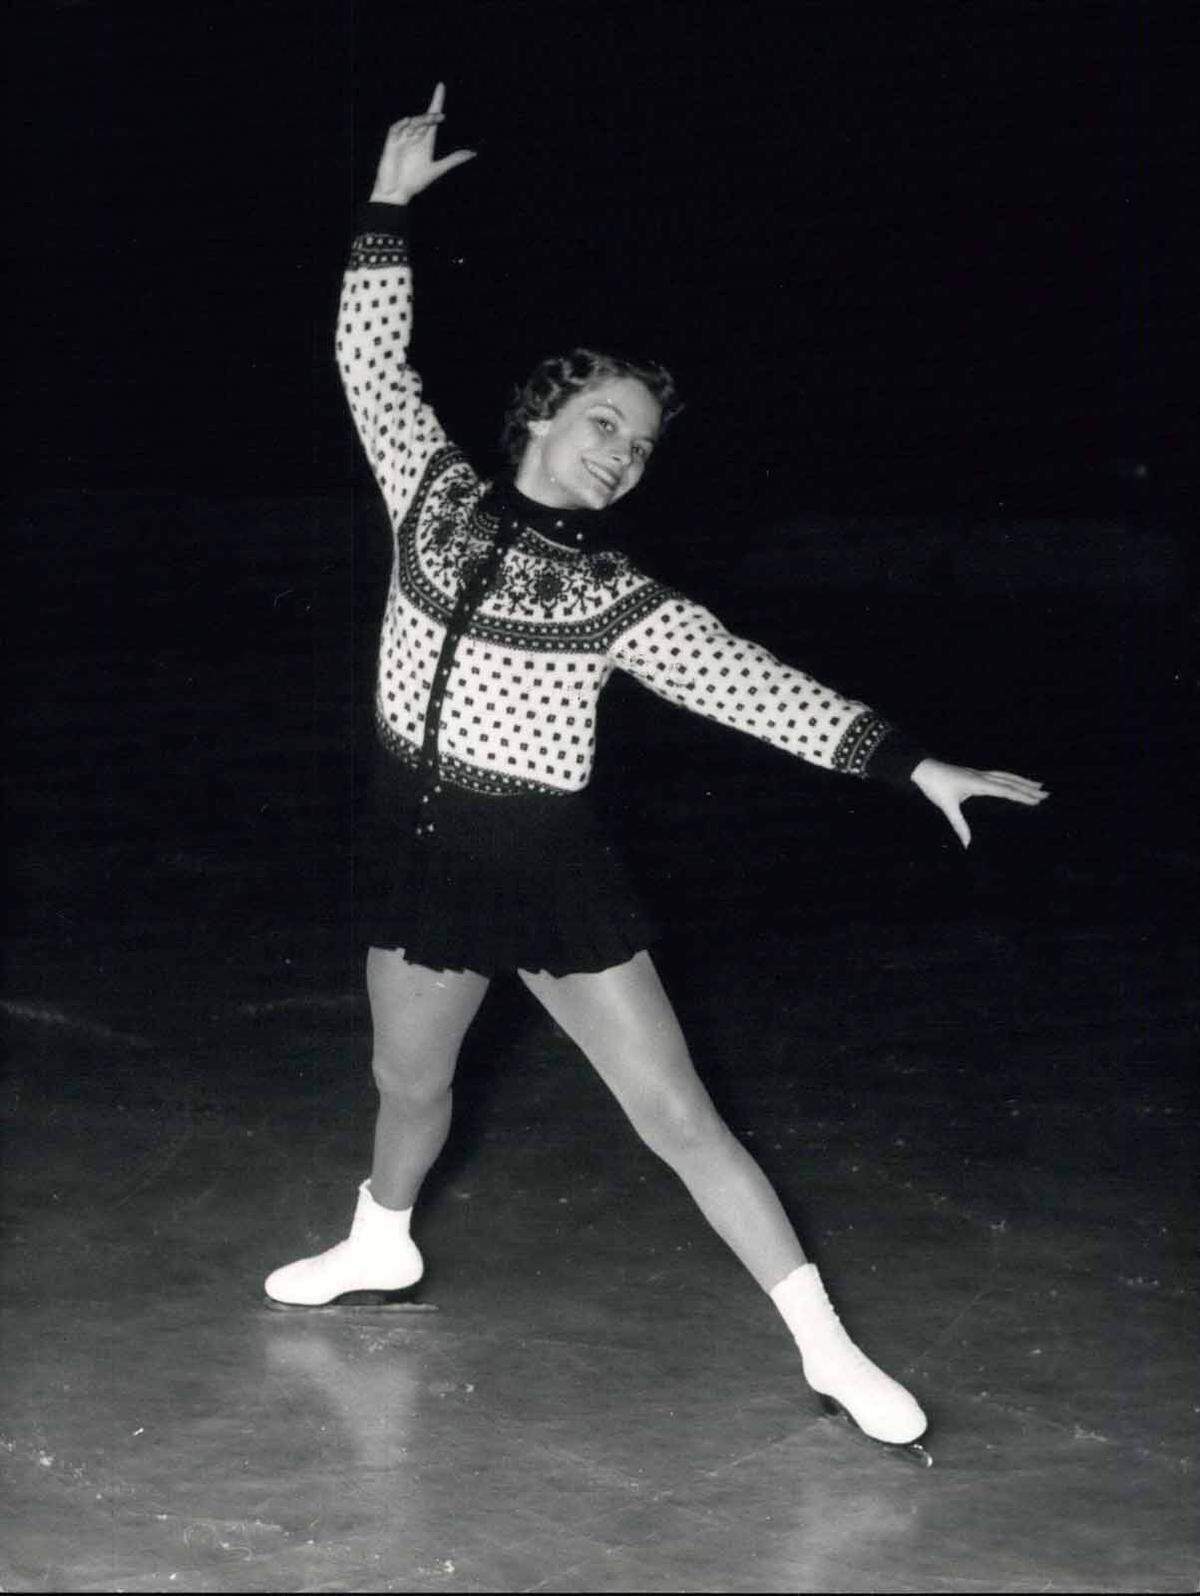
pixel 920 273
pixel 891 251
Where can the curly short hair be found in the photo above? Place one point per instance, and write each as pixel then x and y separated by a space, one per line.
pixel 559 377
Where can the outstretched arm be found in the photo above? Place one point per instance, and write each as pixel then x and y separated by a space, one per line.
pixel 399 431
pixel 683 653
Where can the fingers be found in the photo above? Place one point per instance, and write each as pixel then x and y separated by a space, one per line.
pixel 961 830
pixel 1019 781
pixel 1003 784
pixel 425 123
pixel 415 125
pixel 456 159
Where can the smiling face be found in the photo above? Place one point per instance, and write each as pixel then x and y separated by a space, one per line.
pixel 594 449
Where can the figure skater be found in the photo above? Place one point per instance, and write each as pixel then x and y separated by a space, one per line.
pixel 506 613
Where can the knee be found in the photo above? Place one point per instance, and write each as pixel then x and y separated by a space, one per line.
pixel 679 1129
pixel 417 1081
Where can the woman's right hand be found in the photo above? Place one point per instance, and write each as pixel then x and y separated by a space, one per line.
pixel 407 165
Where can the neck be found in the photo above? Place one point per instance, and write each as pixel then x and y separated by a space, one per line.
pixel 573 528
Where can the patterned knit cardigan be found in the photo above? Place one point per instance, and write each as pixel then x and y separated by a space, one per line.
pixel 506 703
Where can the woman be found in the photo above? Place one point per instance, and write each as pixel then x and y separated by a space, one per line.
pixel 506 614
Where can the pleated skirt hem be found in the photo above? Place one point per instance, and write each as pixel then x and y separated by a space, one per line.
pixel 499 884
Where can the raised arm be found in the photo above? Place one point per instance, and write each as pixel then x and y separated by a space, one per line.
pixel 399 431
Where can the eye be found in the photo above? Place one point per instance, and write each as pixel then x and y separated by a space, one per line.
pixel 605 423
pixel 641 452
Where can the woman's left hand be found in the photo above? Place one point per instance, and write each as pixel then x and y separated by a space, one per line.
pixel 949 786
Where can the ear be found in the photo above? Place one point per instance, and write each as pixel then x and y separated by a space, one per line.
pixel 538 429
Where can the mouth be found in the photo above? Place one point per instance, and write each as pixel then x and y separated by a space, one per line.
pixel 606 477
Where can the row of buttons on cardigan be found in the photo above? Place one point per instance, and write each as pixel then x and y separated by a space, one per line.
pixel 426 798
pixel 431 786
pixel 433 713
pixel 433 723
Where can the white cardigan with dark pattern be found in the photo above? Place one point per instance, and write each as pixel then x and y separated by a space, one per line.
pixel 509 701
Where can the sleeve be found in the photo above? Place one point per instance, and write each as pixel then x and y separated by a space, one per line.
pixel 399 431
pixel 682 653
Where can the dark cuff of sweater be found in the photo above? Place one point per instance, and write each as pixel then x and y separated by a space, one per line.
pixel 895 759
pixel 372 217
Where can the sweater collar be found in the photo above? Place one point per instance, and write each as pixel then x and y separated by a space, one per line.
pixel 580 530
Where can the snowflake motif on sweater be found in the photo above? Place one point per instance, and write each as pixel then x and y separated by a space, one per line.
pixel 508 704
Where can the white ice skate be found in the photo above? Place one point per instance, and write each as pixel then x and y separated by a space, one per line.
pixel 842 1376
pixel 375 1265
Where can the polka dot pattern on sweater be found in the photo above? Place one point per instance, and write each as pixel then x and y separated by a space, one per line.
pixel 508 702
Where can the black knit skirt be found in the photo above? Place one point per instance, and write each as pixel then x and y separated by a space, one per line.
pixel 500 883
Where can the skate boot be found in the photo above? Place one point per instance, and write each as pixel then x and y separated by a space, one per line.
pixel 375 1264
pixel 844 1378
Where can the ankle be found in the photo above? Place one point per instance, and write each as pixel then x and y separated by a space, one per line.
pixel 804 1306
pixel 389 1199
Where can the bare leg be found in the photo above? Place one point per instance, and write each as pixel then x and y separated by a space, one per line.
pixel 419 1017
pixel 623 1022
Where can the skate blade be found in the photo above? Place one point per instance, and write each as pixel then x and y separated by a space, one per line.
pixel 401 1301
pixel 911 1450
